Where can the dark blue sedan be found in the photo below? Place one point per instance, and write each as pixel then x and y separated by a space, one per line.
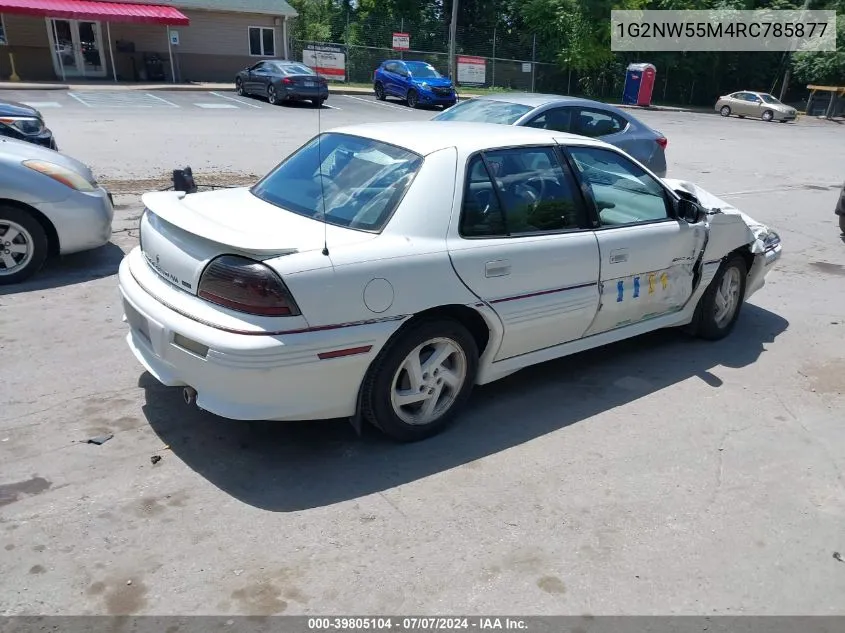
pixel 417 83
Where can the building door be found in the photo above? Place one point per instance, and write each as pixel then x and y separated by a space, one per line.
pixel 77 48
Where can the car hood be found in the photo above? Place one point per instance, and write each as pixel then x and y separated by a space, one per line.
pixel 19 151
pixel 434 82
pixel 13 108
pixel 757 233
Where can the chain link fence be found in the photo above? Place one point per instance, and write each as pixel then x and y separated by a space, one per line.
pixel 506 59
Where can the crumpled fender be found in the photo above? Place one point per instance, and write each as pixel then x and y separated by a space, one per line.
pixel 728 227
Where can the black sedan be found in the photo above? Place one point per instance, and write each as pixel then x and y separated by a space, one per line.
pixel 282 81
pixel 19 121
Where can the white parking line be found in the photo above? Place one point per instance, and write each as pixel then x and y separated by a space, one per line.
pixel 163 100
pixel 326 105
pixel 216 106
pixel 377 103
pixel 42 104
pixel 80 99
pixel 246 103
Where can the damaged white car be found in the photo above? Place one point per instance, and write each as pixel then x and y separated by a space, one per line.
pixel 381 271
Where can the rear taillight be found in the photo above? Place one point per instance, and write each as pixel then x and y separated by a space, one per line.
pixel 662 141
pixel 246 285
pixel 287 80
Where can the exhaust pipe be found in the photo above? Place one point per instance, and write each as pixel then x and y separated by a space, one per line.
pixel 190 395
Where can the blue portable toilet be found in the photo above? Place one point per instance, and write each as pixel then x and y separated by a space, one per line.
pixel 639 84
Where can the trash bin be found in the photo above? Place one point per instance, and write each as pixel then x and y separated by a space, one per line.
pixel 639 84
pixel 154 66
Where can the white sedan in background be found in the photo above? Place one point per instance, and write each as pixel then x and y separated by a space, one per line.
pixel 382 270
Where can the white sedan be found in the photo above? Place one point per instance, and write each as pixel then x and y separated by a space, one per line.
pixel 381 271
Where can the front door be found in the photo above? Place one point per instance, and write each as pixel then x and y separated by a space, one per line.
pixel 648 257
pixel 524 246
pixel 77 48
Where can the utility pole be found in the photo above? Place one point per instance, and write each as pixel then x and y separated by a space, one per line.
pixel 453 31
pixel 788 72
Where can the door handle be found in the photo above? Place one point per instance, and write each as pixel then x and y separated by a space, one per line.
pixel 498 268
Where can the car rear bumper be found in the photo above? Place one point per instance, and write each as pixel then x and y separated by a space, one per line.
pixel 303 93
pixel 241 376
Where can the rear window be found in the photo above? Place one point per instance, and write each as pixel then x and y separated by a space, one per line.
pixel 363 181
pixel 484 111
pixel 295 69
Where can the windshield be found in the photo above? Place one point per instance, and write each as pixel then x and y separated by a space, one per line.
pixel 769 99
pixel 363 181
pixel 484 111
pixel 422 70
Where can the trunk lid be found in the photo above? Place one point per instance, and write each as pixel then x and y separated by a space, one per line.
pixel 182 233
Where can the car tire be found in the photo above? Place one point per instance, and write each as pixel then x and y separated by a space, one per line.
pixel 725 111
pixel 389 381
pixel 378 89
pixel 413 99
pixel 767 116
pixel 239 88
pixel 272 95
pixel 842 224
pixel 317 103
pixel 712 321
pixel 27 247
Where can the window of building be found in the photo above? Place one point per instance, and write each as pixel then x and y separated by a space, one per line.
pixel 3 40
pixel 262 41
pixel 519 192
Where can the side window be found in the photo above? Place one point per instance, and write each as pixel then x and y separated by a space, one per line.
pixel 557 119
pixel 524 191
pixel 596 123
pixel 623 192
pixel 390 67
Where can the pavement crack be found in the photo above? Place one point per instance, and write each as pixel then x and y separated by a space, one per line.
pixel 720 465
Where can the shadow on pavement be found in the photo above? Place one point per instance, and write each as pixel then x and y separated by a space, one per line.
pixel 286 467
pixel 71 269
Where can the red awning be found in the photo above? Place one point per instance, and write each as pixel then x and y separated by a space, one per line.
pixel 93 10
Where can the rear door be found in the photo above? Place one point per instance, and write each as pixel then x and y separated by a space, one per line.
pixel 521 241
pixel 648 257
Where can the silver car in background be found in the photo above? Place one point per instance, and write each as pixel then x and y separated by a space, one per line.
pixel 567 114
pixel 50 204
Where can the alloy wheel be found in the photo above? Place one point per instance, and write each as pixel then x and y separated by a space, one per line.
pixel 428 381
pixel 16 247
pixel 727 297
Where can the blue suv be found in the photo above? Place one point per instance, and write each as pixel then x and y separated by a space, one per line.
pixel 418 83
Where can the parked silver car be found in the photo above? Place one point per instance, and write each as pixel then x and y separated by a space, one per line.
pixel 759 105
pixel 567 114
pixel 50 204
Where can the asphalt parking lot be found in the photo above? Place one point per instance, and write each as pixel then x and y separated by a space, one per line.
pixel 662 475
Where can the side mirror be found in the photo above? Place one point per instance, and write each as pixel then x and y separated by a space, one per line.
pixel 689 211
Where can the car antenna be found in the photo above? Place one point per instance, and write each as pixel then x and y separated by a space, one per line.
pixel 320 171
